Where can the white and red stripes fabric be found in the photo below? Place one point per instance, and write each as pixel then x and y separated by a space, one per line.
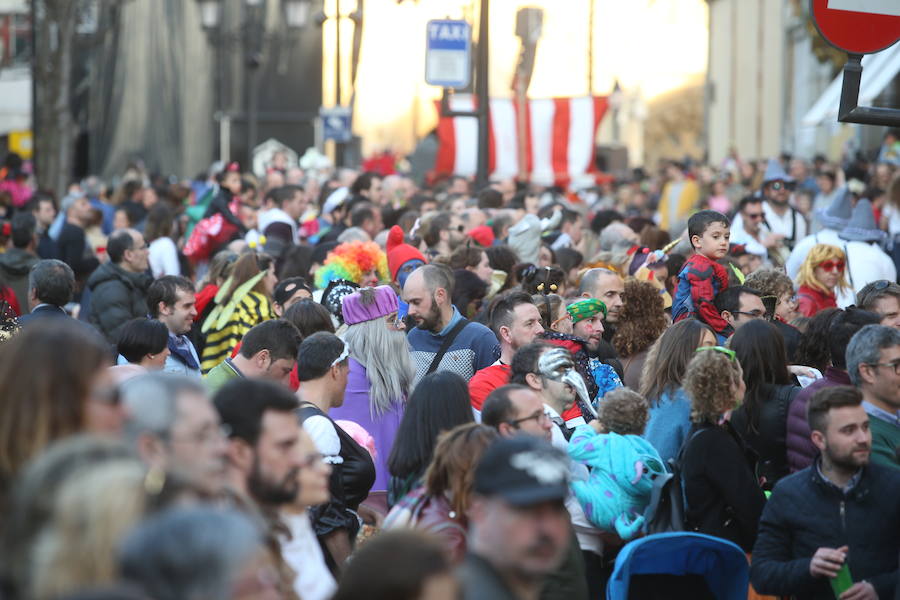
pixel 559 135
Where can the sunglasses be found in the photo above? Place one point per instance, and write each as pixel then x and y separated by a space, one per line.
pixel 754 216
pixel 721 349
pixel 832 265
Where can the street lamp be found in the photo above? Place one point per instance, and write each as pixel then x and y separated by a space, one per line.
pixel 253 38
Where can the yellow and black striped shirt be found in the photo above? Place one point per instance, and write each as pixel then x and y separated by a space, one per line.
pixel 252 309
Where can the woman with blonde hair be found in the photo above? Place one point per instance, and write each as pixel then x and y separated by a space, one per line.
pixel 244 300
pixel 440 506
pixel 91 515
pixel 820 275
pixel 722 496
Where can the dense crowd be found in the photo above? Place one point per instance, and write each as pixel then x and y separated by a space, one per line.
pixel 330 383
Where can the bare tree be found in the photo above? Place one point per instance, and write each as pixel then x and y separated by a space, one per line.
pixel 55 23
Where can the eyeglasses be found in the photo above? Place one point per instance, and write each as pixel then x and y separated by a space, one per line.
pixel 720 349
pixel 753 216
pixel 539 416
pixel 206 437
pixel 895 365
pixel 832 265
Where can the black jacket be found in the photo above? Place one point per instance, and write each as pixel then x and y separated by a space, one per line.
pixel 768 436
pixel 117 296
pixel 720 487
pixel 74 250
pixel 806 512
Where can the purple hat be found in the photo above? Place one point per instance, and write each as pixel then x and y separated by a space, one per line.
pixel 368 304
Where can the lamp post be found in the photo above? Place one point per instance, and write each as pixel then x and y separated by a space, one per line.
pixel 255 40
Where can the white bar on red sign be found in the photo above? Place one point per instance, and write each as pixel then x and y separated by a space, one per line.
pixel 875 7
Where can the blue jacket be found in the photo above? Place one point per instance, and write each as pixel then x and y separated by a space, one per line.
pixel 806 512
pixel 474 348
pixel 669 424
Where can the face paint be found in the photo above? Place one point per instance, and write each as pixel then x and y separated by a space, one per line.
pixel 406 269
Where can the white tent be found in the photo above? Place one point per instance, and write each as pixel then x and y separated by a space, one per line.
pixel 878 72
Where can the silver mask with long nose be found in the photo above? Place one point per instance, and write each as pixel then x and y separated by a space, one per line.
pixel 557 365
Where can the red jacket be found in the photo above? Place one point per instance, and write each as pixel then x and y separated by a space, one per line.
pixel 811 300
pixel 486 381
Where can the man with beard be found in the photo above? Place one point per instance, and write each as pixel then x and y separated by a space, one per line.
pixel 519 528
pixel 515 321
pixel 841 511
pixel 608 287
pixel 443 339
pixel 264 455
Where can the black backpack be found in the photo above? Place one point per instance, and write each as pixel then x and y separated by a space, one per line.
pixel 665 512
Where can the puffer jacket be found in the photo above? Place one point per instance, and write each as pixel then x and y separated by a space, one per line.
pixel 800 450
pixel 806 512
pixel 117 296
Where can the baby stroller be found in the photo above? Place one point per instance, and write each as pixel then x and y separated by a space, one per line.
pixel 679 565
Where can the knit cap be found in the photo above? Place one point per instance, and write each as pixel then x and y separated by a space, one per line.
pixel 399 252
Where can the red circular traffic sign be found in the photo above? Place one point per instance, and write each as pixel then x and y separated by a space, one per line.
pixel 858 26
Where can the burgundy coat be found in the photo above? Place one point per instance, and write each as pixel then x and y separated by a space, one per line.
pixel 800 449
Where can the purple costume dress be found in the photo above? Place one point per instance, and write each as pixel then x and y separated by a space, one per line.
pixel 382 428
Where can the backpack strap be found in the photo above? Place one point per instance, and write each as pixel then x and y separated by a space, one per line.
pixel 448 340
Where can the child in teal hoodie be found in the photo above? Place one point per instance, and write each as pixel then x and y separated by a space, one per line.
pixel 622 464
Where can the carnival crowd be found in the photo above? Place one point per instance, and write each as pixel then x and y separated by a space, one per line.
pixel 333 383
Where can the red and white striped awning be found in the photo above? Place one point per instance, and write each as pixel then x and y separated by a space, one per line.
pixel 560 139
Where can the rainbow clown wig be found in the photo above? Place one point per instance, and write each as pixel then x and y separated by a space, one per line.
pixel 350 261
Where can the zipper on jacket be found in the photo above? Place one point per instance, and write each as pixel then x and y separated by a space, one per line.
pixel 843 519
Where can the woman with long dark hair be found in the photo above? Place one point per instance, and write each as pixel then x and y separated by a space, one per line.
pixel 661 381
pixel 761 419
pixel 441 506
pixel 439 403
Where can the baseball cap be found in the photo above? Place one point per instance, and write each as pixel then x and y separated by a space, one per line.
pixel 523 470
pixel 286 289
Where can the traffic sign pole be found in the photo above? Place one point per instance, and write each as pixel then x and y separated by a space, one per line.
pixel 859 27
pixel 850 111
pixel 449 41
